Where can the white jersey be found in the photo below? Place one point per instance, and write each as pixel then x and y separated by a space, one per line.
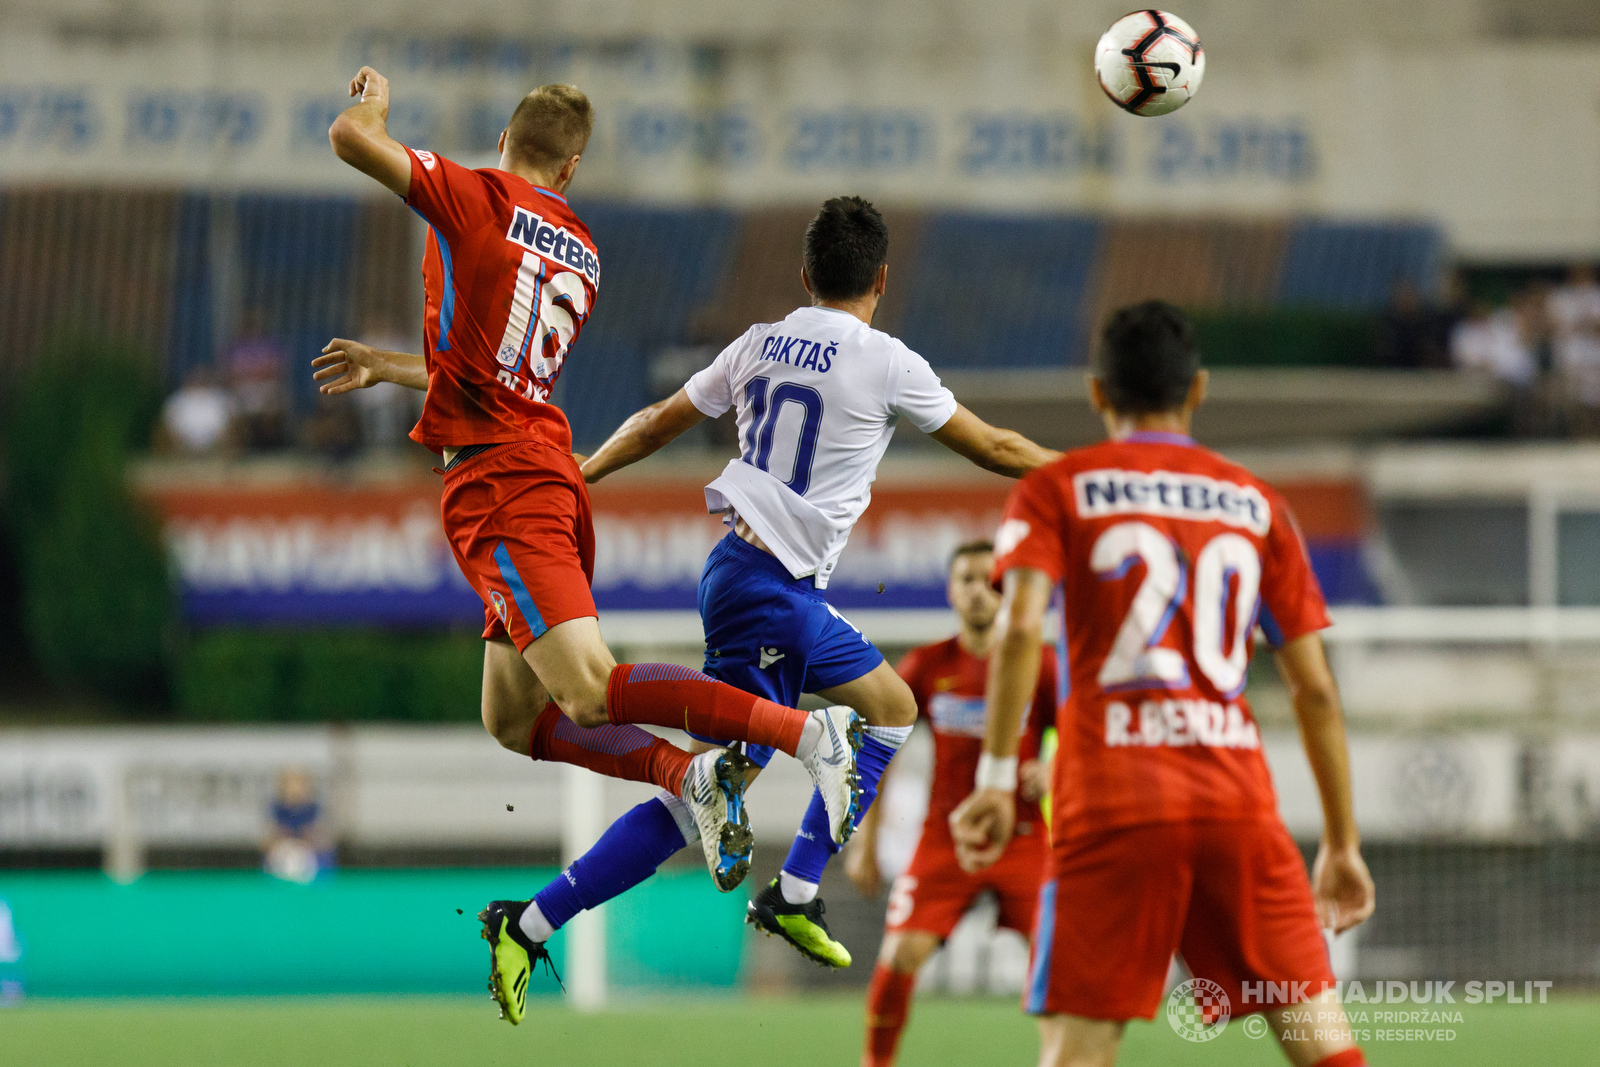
pixel 818 396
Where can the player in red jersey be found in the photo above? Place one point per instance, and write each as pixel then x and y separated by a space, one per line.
pixel 1166 832
pixel 928 900
pixel 511 275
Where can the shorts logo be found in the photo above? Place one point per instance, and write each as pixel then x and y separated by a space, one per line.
pixel 499 603
pixel 769 656
pixel 1198 1010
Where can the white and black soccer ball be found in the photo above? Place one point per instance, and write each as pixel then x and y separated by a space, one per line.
pixel 1150 62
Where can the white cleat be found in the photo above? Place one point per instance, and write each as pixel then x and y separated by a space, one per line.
pixel 832 766
pixel 713 790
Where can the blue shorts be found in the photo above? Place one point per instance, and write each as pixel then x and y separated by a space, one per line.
pixel 772 634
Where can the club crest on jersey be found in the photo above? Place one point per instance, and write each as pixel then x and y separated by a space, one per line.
pixel 1172 495
pixel 553 243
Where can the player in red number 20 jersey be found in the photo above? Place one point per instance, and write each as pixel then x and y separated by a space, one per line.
pixel 929 899
pixel 511 275
pixel 1166 833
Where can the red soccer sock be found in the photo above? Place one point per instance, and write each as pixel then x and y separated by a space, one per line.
pixel 888 1004
pixel 1350 1057
pixel 625 752
pixel 664 694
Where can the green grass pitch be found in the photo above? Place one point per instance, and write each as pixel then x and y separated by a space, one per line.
pixel 768 1032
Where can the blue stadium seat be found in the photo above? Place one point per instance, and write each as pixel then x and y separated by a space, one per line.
pixel 1001 292
pixel 602 383
pixel 1355 266
pixel 657 267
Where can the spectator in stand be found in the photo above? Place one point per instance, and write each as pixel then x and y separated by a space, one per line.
pixel 1574 313
pixel 1491 339
pixel 387 411
pixel 199 419
pixel 257 366
pixel 1413 334
pixel 296 848
pixel 1495 341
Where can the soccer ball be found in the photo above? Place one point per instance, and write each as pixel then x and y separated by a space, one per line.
pixel 1150 62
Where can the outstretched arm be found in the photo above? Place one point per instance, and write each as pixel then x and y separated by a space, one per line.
pixel 360 135
pixel 1340 882
pixel 1002 451
pixel 346 365
pixel 646 431
pixel 983 823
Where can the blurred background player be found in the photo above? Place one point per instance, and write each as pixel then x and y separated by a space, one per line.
pixel 818 396
pixel 297 847
pixel 1167 838
pixel 511 275
pixel 929 899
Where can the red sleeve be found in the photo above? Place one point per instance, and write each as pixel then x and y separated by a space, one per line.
pixel 912 668
pixel 450 197
pixel 1033 528
pixel 1291 599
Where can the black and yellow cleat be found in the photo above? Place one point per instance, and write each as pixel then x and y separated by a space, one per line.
pixel 801 925
pixel 512 957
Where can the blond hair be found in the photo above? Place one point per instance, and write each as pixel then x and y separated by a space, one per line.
pixel 550 126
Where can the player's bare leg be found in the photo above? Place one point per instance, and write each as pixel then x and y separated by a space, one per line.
pixel 880 696
pixel 1327 1035
pixel 1073 1041
pixel 513 696
pixel 889 994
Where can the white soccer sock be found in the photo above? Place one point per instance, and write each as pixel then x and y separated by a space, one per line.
pixel 888 736
pixel 534 925
pixel 810 737
pixel 680 815
pixel 796 890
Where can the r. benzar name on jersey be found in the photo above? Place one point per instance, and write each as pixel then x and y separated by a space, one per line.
pixel 553 243
pixel 1172 495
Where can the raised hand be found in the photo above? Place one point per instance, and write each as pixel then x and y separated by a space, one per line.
pixel 371 87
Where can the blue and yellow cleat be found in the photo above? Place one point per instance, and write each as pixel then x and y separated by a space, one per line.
pixel 512 957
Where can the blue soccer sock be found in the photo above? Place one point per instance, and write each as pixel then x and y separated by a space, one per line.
pixel 813 846
pixel 627 853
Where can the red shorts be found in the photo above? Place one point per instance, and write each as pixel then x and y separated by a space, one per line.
pixel 518 521
pixel 1231 896
pixel 935 892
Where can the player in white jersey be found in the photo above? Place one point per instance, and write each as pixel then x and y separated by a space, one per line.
pixel 818 397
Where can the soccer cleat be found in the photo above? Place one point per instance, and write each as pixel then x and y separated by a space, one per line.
pixel 832 766
pixel 801 925
pixel 511 957
pixel 713 788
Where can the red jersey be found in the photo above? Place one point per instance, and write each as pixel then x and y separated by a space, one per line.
pixel 948 682
pixel 1167 557
pixel 510 276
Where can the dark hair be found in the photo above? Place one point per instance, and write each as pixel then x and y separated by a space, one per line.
pixel 971 548
pixel 845 245
pixel 551 125
pixel 1147 358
